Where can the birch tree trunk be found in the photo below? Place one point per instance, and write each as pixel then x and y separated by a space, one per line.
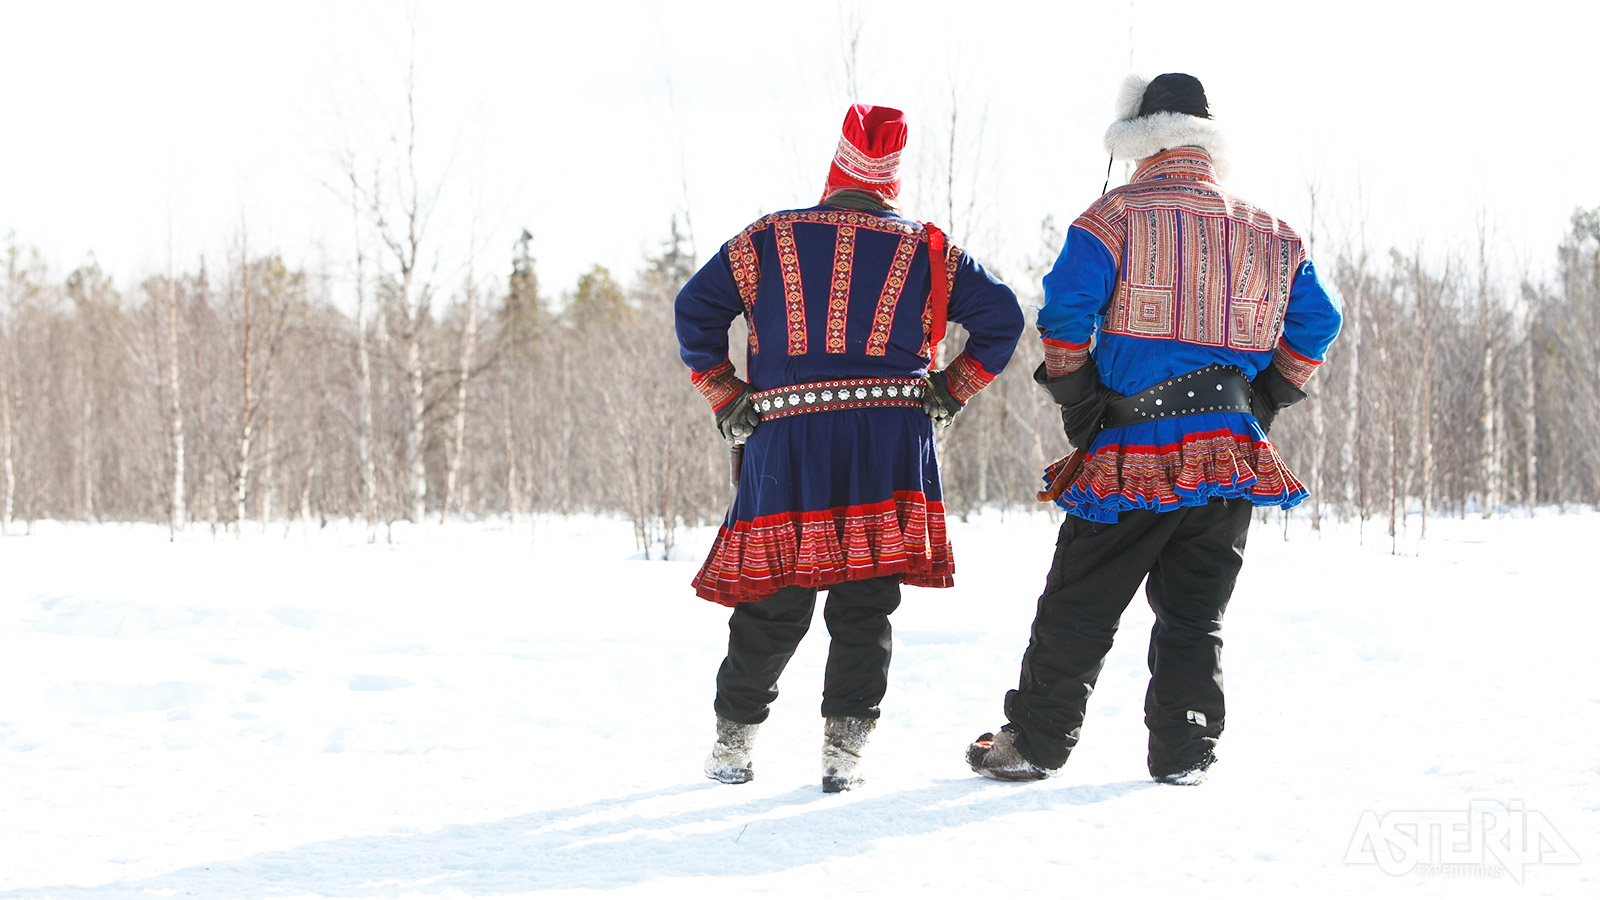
pixel 180 512
pixel 1488 450
pixel 1319 459
pixel 1424 300
pixel 8 469
pixel 86 448
pixel 364 431
pixel 1349 446
pixel 1530 414
pixel 266 495
pixel 415 405
pixel 241 485
pixel 405 249
pixel 508 435
pixel 469 345
pixel 385 392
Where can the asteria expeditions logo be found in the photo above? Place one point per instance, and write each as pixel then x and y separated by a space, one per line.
pixel 1486 840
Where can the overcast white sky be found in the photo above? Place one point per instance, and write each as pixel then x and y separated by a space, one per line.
pixel 592 124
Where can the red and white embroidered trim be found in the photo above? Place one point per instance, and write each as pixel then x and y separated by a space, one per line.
pixel 746 268
pixel 849 393
pixel 858 165
pixel 1064 357
pixel 718 385
pixel 1187 163
pixel 965 377
pixel 844 256
pixel 850 217
pixel 794 298
pixel 1298 369
pixel 1212 463
pixel 902 536
pixel 893 286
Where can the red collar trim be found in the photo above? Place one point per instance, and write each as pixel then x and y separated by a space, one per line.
pixel 1188 163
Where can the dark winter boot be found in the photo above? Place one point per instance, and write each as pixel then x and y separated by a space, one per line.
pixel 843 739
pixel 1194 774
pixel 729 761
pixel 996 756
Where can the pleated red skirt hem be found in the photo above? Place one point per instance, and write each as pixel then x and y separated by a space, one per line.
pixel 904 536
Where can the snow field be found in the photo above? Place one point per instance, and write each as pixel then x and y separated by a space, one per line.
pixel 477 710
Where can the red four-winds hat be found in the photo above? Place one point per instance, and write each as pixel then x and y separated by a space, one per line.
pixel 868 158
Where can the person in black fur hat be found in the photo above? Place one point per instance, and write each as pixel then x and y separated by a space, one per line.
pixel 1178 320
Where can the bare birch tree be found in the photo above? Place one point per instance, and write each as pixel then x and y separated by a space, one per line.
pixel 1424 296
pixel 1488 421
pixel 469 346
pixel 404 241
pixel 247 403
pixel 179 516
pixel 1529 405
pixel 364 427
pixel 8 448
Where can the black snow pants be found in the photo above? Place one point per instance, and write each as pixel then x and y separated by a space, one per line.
pixel 1191 556
pixel 762 637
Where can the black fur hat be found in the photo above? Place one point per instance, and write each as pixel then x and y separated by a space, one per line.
pixel 1175 92
pixel 1158 114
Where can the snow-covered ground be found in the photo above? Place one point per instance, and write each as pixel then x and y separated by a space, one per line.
pixel 478 710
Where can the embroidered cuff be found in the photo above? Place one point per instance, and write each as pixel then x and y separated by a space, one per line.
pixel 1298 369
pixel 1063 357
pixel 965 377
pixel 718 385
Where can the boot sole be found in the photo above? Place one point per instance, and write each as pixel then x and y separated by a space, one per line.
pixel 1004 775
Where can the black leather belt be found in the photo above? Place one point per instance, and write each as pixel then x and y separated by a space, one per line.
pixel 1216 388
pixel 848 393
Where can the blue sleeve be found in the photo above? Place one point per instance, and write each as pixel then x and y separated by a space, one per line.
pixel 988 310
pixel 1314 316
pixel 1077 289
pixel 705 307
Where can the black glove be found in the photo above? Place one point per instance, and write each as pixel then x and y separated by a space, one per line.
pixel 936 399
pixel 738 420
pixel 1083 400
pixel 1271 392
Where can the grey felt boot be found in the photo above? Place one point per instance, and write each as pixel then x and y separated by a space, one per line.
pixel 843 739
pixel 996 756
pixel 729 761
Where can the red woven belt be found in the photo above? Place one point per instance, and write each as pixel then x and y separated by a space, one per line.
pixel 848 393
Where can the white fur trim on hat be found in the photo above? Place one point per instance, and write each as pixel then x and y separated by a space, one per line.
pixel 1131 95
pixel 1133 136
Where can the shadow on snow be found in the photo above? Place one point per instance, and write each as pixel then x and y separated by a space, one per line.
pixel 549 850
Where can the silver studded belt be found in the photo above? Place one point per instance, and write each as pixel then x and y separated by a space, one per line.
pixel 1216 388
pixel 848 393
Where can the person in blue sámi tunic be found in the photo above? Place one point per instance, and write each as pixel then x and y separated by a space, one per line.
pixel 1178 320
pixel 839 486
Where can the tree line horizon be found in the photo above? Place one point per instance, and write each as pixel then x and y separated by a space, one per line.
pixel 251 392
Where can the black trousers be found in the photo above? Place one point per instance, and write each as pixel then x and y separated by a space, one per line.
pixel 762 637
pixel 1191 557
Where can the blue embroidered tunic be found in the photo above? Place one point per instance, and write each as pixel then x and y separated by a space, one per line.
pixel 1164 275
pixel 832 295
